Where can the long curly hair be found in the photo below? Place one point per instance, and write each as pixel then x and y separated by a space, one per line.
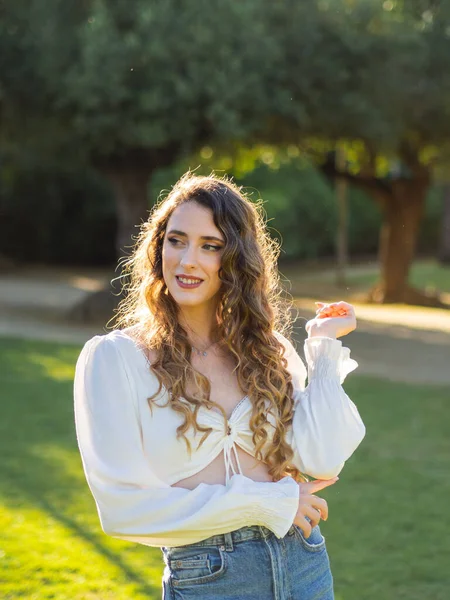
pixel 250 309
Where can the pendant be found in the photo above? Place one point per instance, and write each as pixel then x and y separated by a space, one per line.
pixel 200 352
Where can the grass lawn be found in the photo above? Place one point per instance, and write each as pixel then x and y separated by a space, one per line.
pixel 427 274
pixel 387 535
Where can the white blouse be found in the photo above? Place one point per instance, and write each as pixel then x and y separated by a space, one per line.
pixel 131 456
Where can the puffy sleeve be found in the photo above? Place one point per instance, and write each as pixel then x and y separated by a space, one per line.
pixel 327 427
pixel 132 502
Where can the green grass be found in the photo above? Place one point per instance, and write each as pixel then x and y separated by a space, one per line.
pixel 386 536
pixel 424 275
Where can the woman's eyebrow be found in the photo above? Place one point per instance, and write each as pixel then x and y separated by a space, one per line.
pixel 203 237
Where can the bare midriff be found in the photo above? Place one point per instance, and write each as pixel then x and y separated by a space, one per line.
pixel 215 471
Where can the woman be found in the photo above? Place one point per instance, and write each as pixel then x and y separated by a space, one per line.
pixel 194 425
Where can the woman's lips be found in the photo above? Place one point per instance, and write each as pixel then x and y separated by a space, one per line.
pixel 186 285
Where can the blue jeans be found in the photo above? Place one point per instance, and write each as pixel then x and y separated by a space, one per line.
pixel 250 563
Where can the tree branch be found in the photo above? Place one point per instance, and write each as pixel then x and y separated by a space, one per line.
pixel 379 189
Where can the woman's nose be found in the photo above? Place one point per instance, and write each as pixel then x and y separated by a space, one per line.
pixel 188 258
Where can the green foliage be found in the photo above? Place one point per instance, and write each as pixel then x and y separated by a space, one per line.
pixel 300 209
pixel 120 76
pixel 368 72
pixel 299 203
pixel 55 214
pixel 143 84
pixel 364 222
pixel 60 215
pixel 115 75
pixel 431 227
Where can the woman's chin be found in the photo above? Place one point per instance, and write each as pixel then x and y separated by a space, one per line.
pixel 193 298
pixel 194 302
pixel 188 299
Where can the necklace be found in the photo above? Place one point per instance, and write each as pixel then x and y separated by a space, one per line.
pixel 203 352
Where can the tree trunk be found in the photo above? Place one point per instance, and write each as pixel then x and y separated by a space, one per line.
pixel 398 237
pixel 130 193
pixel 444 251
pixel 130 184
pixel 129 173
pixel 402 201
pixel 341 187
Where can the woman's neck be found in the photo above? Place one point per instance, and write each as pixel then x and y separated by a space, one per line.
pixel 200 325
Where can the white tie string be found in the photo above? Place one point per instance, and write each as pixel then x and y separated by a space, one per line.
pixel 230 446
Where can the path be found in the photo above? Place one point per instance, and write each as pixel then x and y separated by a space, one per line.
pixel 407 344
pixel 394 342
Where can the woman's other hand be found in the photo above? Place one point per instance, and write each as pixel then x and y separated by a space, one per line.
pixel 311 506
pixel 332 320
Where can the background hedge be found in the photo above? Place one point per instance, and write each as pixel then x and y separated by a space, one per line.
pixel 66 215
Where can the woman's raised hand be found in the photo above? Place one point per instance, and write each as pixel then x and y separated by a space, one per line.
pixel 311 506
pixel 332 320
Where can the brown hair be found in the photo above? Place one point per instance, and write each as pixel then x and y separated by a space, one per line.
pixel 249 311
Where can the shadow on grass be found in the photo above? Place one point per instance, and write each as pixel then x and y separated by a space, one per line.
pixel 37 419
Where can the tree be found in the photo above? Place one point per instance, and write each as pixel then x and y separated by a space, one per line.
pixel 444 251
pixel 374 78
pixel 133 86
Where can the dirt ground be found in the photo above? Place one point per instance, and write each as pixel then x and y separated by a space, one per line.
pixel 396 342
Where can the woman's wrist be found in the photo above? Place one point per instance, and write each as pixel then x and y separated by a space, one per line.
pixel 315 334
pixel 316 331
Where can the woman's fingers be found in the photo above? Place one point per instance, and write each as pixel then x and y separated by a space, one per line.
pixel 311 510
pixel 314 515
pixel 313 507
pixel 320 306
pixel 304 525
pixel 311 487
pixel 332 320
pixel 333 309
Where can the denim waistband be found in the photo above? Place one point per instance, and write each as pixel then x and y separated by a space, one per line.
pixel 227 540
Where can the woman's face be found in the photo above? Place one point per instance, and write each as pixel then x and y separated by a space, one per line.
pixel 191 255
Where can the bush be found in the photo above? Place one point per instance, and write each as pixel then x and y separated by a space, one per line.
pixel 62 215
pixel 56 215
pixel 302 207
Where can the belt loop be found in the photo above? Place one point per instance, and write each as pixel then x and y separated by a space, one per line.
pixel 265 532
pixel 228 538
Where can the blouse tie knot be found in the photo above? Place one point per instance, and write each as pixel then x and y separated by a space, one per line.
pixel 228 450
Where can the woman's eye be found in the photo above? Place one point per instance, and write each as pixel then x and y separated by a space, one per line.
pixel 209 247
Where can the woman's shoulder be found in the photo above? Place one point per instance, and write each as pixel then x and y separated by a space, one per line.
pixel 126 343
pixel 295 364
pixel 116 356
pixel 134 334
pixel 113 339
pixel 284 341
